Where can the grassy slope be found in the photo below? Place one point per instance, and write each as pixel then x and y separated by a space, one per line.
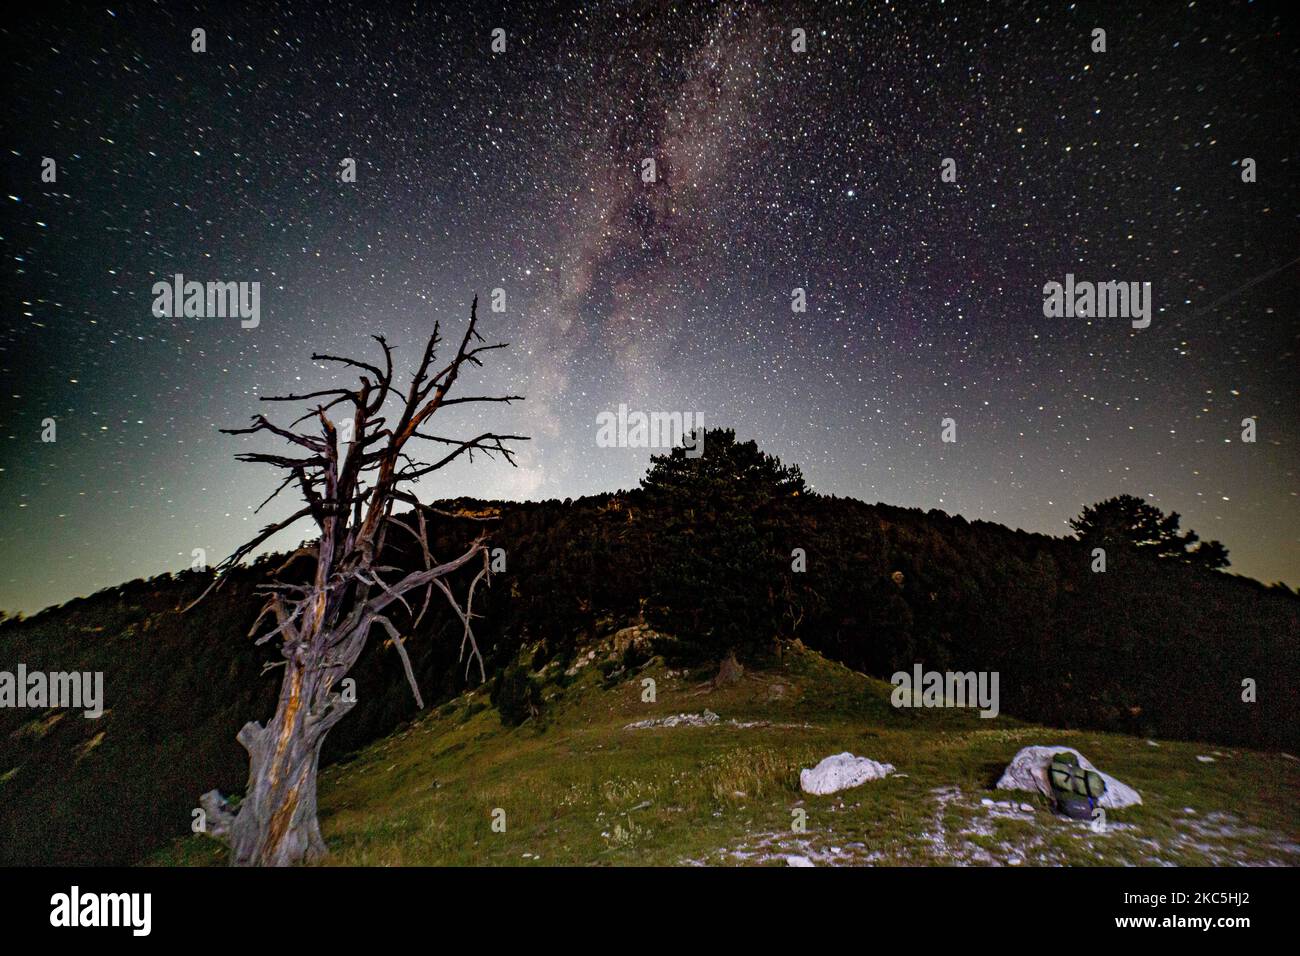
pixel 582 789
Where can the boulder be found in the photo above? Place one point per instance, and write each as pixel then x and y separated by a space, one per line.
pixel 1028 771
pixel 840 772
pixel 638 636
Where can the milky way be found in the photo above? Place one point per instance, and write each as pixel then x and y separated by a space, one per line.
pixel 776 170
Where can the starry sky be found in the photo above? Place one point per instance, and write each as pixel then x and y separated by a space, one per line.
pixel 521 171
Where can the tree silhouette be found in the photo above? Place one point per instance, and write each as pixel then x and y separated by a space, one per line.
pixel 717 568
pixel 350 483
pixel 728 470
pixel 1130 522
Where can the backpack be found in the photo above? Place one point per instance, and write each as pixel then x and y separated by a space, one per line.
pixel 1076 791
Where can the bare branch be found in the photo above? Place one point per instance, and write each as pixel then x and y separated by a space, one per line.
pixel 355 363
pixel 261 423
pixel 244 550
pixel 400 644
pixel 489 443
pixel 446 402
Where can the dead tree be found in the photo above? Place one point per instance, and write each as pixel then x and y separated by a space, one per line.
pixel 350 484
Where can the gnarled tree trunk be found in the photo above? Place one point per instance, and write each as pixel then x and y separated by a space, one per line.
pixel 276 823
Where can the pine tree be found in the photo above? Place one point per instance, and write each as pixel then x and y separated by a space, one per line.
pixel 1130 522
pixel 718 570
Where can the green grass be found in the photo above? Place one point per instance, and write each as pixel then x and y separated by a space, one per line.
pixel 577 788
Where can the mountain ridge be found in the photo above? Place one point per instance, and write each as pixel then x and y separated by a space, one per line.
pixel 885 588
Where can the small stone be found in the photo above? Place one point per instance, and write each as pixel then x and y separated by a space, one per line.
pixel 798 861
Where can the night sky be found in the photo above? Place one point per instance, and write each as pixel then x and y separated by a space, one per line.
pixel 521 171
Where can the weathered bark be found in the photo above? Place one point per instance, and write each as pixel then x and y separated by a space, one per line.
pixel 276 823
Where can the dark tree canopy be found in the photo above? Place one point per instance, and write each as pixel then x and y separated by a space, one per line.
pixel 720 566
pixel 1128 521
pixel 728 470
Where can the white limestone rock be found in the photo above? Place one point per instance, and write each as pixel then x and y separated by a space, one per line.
pixel 706 719
pixel 840 772
pixel 1028 771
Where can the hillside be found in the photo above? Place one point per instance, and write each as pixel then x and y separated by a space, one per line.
pixel 1151 648
pixel 579 786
